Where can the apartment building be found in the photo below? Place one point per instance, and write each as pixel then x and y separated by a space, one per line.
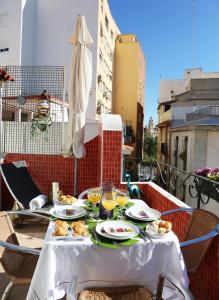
pixel 38 32
pixel 128 89
pixel 188 120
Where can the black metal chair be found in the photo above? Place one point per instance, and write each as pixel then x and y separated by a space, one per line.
pixel 20 184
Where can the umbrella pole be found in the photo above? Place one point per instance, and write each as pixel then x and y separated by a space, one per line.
pixel 75 177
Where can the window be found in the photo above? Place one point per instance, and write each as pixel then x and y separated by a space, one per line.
pixel 107 23
pixel 167 107
pixel 101 56
pixel 24 117
pixel 175 152
pixel 111 56
pixel 101 30
pixel 112 35
pixel 4 47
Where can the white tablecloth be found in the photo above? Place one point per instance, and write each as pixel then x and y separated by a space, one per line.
pixel 98 266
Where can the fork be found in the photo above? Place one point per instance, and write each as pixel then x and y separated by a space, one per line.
pixel 143 234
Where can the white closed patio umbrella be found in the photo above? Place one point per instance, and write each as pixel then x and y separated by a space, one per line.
pixel 79 89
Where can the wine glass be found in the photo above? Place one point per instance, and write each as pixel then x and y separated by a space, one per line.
pixel 109 203
pixel 94 195
pixel 122 198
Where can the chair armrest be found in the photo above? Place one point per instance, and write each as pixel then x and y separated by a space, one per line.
pixel 180 209
pixel 28 213
pixel 18 248
pixel 205 237
pixel 184 291
pixel 82 194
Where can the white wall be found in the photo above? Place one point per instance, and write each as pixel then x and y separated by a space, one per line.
pixel 47 27
pixel 11 31
pixel 28 45
pixel 213 149
pixel 54 25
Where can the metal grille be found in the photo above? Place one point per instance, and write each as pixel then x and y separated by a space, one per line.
pixel 19 105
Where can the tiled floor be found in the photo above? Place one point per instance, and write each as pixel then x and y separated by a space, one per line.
pixel 30 235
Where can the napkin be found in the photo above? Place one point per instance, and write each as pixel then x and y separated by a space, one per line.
pixel 38 202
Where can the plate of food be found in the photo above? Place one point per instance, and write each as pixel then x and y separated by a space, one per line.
pixel 65 231
pixel 158 229
pixel 142 213
pixel 119 230
pixel 67 212
pixel 66 199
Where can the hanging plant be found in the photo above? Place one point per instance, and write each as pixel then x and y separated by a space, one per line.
pixel 4 76
pixel 41 119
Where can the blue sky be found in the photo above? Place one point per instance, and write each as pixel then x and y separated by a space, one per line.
pixel 165 31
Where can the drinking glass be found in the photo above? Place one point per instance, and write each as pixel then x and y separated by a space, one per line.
pixel 122 198
pixel 94 196
pixel 109 204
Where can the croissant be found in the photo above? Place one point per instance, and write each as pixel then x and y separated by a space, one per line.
pixel 60 231
pixel 62 224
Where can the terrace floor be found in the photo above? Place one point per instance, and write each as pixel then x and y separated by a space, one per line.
pixel 30 235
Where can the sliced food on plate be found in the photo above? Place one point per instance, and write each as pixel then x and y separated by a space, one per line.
pixel 143 213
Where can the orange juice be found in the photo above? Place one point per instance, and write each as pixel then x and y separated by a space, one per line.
pixel 122 200
pixel 109 204
pixel 94 197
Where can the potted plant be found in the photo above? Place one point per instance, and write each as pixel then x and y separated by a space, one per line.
pixel 209 186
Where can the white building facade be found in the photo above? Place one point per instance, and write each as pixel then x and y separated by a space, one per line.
pixel 38 32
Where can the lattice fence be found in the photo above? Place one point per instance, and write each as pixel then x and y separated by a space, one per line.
pixel 20 104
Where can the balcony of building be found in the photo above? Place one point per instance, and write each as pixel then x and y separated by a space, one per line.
pixel 103 162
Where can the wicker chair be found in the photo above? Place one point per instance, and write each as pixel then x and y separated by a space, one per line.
pixel 17 261
pixel 135 292
pixel 202 228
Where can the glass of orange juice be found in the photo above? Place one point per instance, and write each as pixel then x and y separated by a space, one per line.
pixel 122 198
pixel 109 203
pixel 94 196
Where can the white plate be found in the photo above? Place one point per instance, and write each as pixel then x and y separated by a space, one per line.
pixel 68 237
pixel 151 233
pixel 102 227
pixel 60 212
pixel 138 212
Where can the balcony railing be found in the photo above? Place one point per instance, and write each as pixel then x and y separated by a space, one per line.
pixel 185 186
pixel 207 112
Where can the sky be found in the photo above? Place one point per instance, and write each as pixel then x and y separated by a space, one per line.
pixel 174 35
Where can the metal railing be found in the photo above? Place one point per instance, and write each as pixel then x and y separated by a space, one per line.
pixel 185 186
pixel 207 112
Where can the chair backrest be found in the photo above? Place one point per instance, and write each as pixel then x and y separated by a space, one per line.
pixel 19 182
pixel 201 222
pixel 10 260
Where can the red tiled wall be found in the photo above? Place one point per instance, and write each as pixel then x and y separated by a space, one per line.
pixel 112 156
pixel 48 168
pixel 204 284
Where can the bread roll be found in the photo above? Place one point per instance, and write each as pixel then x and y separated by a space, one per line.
pixel 166 224
pixel 162 230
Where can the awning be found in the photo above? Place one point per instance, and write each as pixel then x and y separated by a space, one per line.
pixel 127 150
